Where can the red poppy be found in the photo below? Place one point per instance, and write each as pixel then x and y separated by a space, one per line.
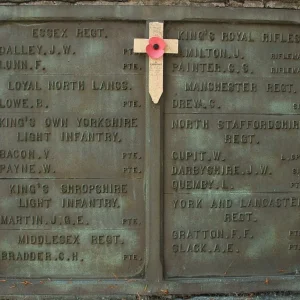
pixel 156 47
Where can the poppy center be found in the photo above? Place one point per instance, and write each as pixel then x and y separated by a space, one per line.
pixel 156 46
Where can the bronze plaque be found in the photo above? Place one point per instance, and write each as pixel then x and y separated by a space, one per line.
pixel 103 192
pixel 231 176
pixel 72 151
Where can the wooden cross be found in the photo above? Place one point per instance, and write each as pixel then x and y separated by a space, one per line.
pixel 156 29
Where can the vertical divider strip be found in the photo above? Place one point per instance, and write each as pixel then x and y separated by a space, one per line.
pixel 153 188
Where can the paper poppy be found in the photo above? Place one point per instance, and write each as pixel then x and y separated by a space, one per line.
pixel 156 47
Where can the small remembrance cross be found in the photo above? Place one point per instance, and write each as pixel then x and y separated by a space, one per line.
pixel 155 46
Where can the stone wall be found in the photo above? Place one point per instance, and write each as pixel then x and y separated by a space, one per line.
pixel 287 4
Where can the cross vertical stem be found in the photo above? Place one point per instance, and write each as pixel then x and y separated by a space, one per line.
pixel 156 65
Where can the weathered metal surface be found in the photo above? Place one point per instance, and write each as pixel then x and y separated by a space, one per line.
pixel 72 151
pixel 231 151
pixel 103 192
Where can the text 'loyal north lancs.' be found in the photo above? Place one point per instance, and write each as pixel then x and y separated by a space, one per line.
pixel 72 151
pixel 73 177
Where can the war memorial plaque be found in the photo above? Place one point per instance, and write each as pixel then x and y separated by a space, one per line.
pixel 231 152
pixel 103 192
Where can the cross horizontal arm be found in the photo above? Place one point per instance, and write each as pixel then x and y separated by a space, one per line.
pixel 139 45
pixel 172 46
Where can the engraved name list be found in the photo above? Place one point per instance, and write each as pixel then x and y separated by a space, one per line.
pixel 72 150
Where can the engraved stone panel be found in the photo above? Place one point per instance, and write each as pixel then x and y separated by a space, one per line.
pixel 231 173
pixel 72 150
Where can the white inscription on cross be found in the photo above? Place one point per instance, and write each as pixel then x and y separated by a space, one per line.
pixel 156 29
